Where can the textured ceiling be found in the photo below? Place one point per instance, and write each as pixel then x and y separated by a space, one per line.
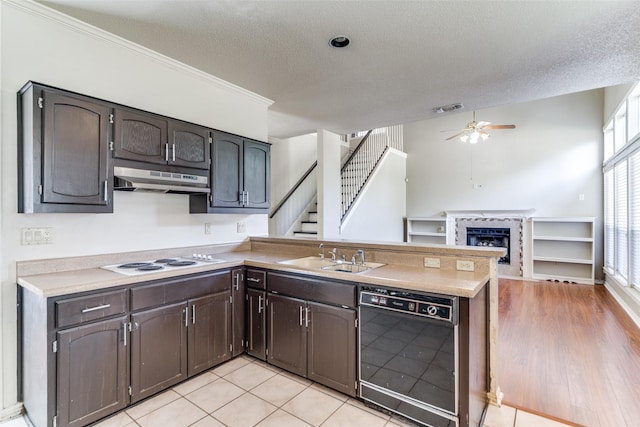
pixel 405 57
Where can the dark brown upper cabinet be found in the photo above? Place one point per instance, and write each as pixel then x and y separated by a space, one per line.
pixel 141 137
pixel 150 138
pixel 63 157
pixel 189 145
pixel 240 177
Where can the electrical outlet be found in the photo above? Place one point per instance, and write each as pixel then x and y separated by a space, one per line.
pixel 37 236
pixel 207 228
pixel 242 227
pixel 432 262
pixel 464 265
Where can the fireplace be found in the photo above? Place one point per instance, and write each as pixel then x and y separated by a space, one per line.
pixel 493 228
pixel 492 237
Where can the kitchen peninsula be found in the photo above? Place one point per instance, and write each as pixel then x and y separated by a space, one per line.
pixel 118 308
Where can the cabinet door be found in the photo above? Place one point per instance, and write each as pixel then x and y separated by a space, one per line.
pixel 256 174
pixel 227 170
pixel 141 137
pixel 332 347
pixel 158 349
pixel 287 345
pixel 209 331
pixel 256 324
pixel 92 372
pixel 238 292
pixel 189 145
pixel 75 157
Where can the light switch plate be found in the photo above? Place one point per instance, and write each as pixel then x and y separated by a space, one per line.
pixel 37 236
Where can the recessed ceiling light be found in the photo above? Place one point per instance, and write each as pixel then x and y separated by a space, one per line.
pixel 339 41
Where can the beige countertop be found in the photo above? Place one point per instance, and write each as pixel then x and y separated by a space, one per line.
pixel 443 281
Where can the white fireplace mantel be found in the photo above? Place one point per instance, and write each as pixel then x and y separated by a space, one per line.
pixel 515 213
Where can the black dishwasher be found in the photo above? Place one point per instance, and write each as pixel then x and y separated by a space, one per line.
pixel 409 354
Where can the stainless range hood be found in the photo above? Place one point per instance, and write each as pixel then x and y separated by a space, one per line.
pixel 130 179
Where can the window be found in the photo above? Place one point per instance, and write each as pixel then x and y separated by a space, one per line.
pixel 622 192
pixel 634 218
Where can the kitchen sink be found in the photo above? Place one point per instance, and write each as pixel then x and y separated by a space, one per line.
pixel 317 263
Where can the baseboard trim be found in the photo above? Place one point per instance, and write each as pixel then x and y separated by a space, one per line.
pixel 11 412
pixel 628 309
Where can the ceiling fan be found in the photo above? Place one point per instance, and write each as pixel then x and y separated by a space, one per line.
pixel 474 131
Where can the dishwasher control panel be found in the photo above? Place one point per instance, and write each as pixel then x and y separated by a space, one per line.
pixel 432 306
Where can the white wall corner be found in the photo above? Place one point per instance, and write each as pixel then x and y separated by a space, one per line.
pixel 329 194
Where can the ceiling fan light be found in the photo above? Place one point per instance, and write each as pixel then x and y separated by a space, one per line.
pixel 484 136
pixel 464 137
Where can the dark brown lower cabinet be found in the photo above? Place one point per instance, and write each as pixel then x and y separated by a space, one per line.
pixel 158 349
pixel 209 331
pixel 238 294
pixel 256 330
pixel 92 367
pixel 287 334
pixel 331 341
pixel 314 340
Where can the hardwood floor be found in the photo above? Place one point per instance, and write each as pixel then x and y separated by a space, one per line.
pixel 569 351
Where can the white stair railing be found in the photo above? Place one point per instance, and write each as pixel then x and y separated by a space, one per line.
pixel 358 168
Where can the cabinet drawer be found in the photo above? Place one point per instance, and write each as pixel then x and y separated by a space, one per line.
pixel 256 278
pixel 310 288
pixel 180 289
pixel 91 307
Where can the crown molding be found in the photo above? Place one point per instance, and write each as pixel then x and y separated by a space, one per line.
pixel 42 11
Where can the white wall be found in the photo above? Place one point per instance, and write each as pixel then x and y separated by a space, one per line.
pixel 329 190
pixel 290 159
pixel 552 157
pixel 379 212
pixel 613 97
pixel 44 46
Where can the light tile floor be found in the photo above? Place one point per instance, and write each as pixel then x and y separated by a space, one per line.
pixel 248 392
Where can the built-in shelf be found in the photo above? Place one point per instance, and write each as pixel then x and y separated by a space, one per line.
pixel 563 249
pixel 426 230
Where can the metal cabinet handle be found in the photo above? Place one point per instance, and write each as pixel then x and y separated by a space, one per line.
pixel 260 300
pixel 253 279
pixel 306 317
pixel 186 316
pixel 237 286
pixel 166 152
pixel 301 309
pixel 124 333
pixel 173 152
pixel 193 314
pixel 99 307
pixel 246 197
pixel 106 189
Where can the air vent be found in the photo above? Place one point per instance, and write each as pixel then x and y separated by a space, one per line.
pixel 448 108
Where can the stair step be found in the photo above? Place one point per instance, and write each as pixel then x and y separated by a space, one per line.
pixel 313 216
pixel 309 226
pixel 304 233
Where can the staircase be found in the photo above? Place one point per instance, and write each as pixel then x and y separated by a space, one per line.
pixel 309 225
pixel 355 173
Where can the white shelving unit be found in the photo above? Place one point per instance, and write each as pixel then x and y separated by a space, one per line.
pixel 563 249
pixel 426 230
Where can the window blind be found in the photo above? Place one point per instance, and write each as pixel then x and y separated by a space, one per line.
pixel 609 220
pixel 634 219
pixel 621 220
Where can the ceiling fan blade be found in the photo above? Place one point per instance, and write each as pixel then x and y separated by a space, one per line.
pixel 500 127
pixel 481 124
pixel 455 136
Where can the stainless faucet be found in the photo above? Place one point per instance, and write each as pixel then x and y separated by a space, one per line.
pixel 321 247
pixel 334 251
pixel 360 253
